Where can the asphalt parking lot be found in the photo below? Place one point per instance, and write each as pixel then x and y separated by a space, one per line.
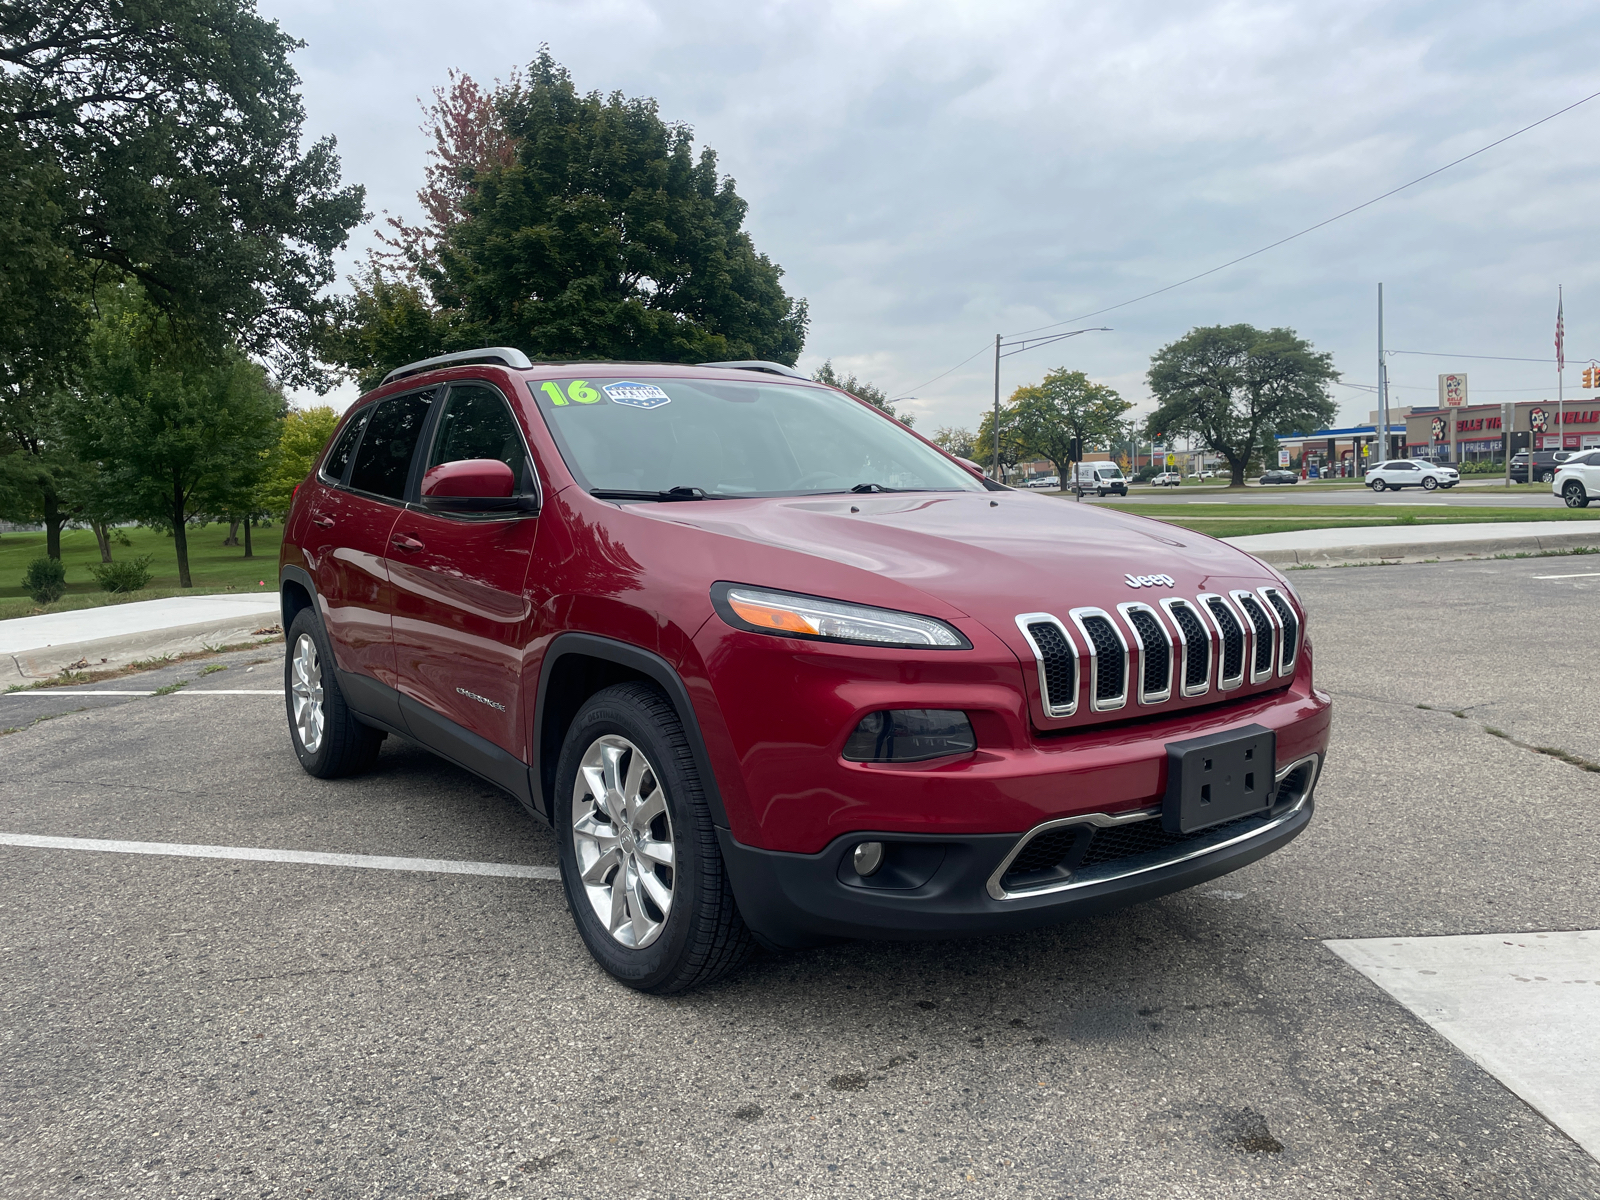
pixel 201 1027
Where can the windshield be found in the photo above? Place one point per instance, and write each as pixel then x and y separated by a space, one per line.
pixel 1110 473
pixel 732 438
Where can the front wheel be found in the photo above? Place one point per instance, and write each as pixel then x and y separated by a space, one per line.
pixel 1429 484
pixel 1574 495
pixel 639 856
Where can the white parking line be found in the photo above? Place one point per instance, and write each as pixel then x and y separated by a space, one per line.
pixel 372 862
pixel 1585 575
pixel 179 692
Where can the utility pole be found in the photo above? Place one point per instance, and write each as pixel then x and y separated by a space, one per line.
pixel 1382 438
pixel 1561 378
pixel 997 478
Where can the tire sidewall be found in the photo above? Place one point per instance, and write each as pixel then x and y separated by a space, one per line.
pixel 614 711
pixel 1429 484
pixel 305 623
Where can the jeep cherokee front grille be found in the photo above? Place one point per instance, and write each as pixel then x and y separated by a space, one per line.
pixel 1108 659
pixel 1148 653
pixel 1261 663
pixel 1289 648
pixel 1058 662
pixel 1230 671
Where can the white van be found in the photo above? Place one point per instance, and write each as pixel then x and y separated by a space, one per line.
pixel 1101 478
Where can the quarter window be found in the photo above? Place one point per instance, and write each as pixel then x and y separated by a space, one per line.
pixel 383 463
pixel 333 467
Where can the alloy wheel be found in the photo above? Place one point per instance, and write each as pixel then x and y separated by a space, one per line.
pixel 622 836
pixel 306 692
pixel 1574 496
pixel 1429 483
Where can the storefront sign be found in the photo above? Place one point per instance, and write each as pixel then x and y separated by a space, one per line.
pixel 1441 428
pixel 1452 391
pixel 1472 425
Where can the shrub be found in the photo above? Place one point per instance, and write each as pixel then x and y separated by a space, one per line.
pixel 127 576
pixel 46 580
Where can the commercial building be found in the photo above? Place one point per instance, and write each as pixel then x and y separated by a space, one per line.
pixel 1477 432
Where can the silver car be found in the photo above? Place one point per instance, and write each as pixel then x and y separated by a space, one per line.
pixel 1411 472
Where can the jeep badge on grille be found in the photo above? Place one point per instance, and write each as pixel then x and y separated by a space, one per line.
pixel 1139 581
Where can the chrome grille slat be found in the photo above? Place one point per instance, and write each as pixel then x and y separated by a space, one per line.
pixel 1289 647
pixel 1264 642
pixel 1155 651
pixel 1195 641
pixel 1231 639
pixel 1057 657
pixel 1108 658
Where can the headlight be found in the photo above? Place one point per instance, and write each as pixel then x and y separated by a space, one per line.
pixel 788 615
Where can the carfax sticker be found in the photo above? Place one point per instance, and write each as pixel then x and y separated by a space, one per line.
pixel 637 395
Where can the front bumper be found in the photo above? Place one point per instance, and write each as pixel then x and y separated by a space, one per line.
pixel 948 886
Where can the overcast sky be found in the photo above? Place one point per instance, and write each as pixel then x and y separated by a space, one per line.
pixel 929 174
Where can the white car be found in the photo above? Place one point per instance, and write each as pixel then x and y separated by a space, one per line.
pixel 1166 479
pixel 1577 480
pixel 1411 472
pixel 1045 481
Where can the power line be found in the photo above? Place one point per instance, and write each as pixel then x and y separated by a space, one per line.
pixel 913 391
pixel 1329 221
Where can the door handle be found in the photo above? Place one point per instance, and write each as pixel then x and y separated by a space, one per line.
pixel 325 522
pixel 401 541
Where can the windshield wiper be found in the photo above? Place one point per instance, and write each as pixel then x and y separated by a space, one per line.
pixel 872 487
pixel 677 493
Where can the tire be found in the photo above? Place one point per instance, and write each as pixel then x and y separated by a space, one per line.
pixel 1429 484
pixel 678 928
pixel 328 740
pixel 1377 485
pixel 1574 495
pixel 1548 477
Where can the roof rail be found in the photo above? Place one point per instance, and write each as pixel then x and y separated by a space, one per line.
pixel 756 364
pixel 511 357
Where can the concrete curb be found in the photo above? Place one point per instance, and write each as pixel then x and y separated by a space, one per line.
pixel 105 653
pixel 1330 556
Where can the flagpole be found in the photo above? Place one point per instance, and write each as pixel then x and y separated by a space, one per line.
pixel 1561 374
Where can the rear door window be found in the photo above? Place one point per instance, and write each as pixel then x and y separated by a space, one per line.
pixel 383 462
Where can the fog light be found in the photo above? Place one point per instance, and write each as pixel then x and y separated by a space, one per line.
pixel 910 735
pixel 867 858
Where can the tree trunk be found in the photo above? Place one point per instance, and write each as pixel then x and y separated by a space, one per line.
pixel 102 537
pixel 52 524
pixel 248 552
pixel 180 537
pixel 233 534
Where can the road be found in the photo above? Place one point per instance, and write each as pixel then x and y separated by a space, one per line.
pixel 192 1027
pixel 1466 495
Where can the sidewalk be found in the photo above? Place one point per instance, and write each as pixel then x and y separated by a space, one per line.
pixel 1325 547
pixel 36 647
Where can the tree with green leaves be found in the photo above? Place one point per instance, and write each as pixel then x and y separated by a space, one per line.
pixel 172 131
pixel 1236 387
pixel 303 434
pixel 962 443
pixel 1012 451
pixel 1064 413
pixel 172 429
pixel 861 390
pixel 606 236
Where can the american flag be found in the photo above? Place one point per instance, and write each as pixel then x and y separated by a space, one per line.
pixel 1561 335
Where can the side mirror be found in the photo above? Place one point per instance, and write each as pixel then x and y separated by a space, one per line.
pixel 474 485
pixel 971 466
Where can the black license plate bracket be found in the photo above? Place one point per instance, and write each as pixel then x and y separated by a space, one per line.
pixel 1219 777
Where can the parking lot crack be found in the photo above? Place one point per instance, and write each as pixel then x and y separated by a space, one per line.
pixel 1555 752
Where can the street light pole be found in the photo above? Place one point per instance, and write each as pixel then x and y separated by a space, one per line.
pixel 1017 347
pixel 997 478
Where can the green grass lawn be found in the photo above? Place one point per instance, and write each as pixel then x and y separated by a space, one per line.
pixel 1264 518
pixel 213 566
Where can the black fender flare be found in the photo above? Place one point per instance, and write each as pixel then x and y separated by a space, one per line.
pixel 644 662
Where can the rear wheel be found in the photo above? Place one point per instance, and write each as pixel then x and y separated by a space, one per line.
pixel 328 740
pixel 1574 495
pixel 639 856
pixel 1376 485
pixel 1548 477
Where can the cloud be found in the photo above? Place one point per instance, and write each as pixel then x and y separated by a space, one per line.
pixel 929 174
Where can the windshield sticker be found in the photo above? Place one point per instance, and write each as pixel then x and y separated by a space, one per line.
pixel 636 395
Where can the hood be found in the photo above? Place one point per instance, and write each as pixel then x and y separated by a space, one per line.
pixel 988 555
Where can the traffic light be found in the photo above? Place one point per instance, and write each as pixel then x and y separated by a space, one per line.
pixel 1591 377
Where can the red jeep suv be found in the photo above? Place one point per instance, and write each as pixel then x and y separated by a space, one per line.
pixel 778 670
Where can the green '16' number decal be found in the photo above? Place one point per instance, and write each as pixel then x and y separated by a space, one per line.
pixel 578 391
